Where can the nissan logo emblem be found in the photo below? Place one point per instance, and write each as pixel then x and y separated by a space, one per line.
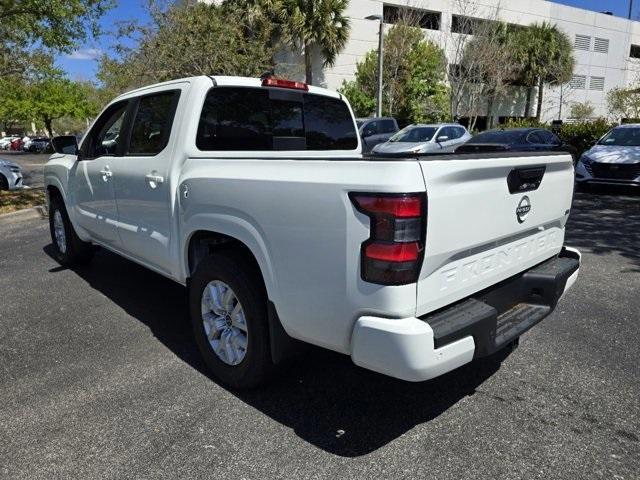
pixel 524 207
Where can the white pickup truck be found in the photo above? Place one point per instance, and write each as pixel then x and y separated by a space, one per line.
pixel 254 194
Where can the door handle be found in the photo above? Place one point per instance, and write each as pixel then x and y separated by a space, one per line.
pixel 106 173
pixel 154 180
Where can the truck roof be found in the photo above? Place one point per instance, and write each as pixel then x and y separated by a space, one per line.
pixel 227 81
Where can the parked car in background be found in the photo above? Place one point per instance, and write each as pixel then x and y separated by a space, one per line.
pixel 36 145
pixel 5 142
pixel 422 138
pixel 10 175
pixel 614 159
pixel 375 130
pixel 16 144
pixel 517 140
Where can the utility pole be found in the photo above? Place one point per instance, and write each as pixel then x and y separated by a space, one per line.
pixel 380 42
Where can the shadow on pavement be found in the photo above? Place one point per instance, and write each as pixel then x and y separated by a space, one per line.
pixel 605 220
pixel 322 396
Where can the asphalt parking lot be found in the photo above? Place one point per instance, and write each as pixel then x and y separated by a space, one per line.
pixel 99 379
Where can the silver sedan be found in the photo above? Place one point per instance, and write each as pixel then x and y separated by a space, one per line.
pixel 614 160
pixel 10 175
pixel 424 138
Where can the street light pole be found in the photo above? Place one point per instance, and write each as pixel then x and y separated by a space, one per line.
pixel 380 44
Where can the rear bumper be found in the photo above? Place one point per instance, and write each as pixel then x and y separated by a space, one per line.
pixel 417 349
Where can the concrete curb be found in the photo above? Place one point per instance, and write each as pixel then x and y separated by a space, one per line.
pixel 26 214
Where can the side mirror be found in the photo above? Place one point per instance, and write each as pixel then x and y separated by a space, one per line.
pixel 442 138
pixel 65 144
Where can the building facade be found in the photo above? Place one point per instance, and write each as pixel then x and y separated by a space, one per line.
pixel 606 48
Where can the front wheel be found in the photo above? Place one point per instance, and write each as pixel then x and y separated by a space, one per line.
pixel 228 309
pixel 68 249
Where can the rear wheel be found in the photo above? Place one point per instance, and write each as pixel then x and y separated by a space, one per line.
pixel 68 248
pixel 228 308
pixel 4 183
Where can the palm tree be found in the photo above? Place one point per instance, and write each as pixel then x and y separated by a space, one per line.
pixel 315 26
pixel 545 55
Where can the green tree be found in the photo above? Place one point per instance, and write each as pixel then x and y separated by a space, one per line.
pixel 490 66
pixel 582 111
pixel 414 88
pixel 624 103
pixel 14 103
pixel 189 39
pixel 314 26
pixel 545 56
pixel 54 98
pixel 46 24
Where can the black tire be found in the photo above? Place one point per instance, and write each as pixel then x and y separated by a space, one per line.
pixel 76 251
pixel 241 275
pixel 4 183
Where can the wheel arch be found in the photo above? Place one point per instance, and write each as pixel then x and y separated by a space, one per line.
pixel 202 242
pixel 54 189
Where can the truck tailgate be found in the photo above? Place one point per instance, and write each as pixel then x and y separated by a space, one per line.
pixel 489 219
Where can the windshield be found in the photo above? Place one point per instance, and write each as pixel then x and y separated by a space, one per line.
pixel 414 134
pixel 629 137
pixel 359 123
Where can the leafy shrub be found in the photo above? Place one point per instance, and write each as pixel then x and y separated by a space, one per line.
pixel 529 122
pixel 584 135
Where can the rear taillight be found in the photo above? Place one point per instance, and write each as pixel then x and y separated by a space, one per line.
pixel 392 255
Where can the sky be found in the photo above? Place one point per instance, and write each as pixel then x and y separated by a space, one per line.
pixel 82 64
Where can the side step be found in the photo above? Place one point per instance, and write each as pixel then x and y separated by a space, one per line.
pixel 519 319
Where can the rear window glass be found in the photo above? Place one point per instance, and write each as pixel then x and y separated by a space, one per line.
pixel 236 118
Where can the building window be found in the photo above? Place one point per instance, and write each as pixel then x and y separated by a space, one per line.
pixel 579 82
pixel 635 51
pixel 596 83
pixel 412 16
pixel 582 42
pixel 601 45
pixel 469 25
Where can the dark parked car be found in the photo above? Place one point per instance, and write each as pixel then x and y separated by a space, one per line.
pixel 37 145
pixel 375 130
pixel 517 140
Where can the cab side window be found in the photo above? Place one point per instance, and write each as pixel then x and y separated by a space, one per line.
pixel 388 126
pixel 152 123
pixel 105 137
pixel 371 128
pixel 549 138
pixel 535 138
pixel 446 132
